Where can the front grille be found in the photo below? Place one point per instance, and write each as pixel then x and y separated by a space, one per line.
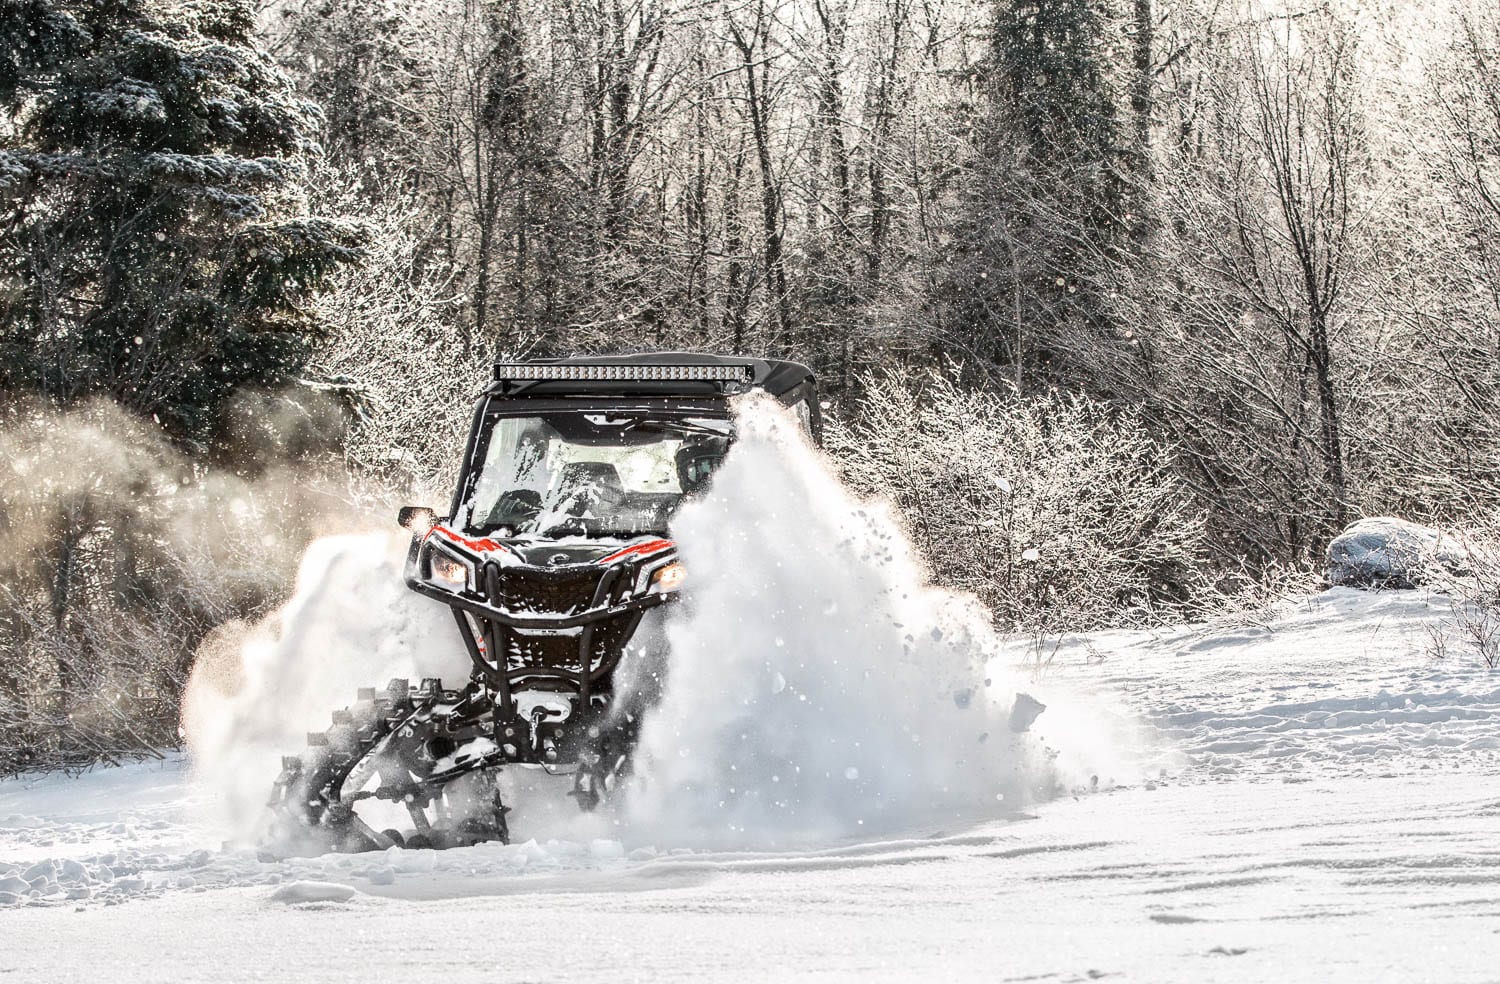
pixel 561 651
pixel 558 594
pixel 529 592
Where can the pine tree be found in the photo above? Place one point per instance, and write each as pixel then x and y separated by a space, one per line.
pixel 1044 203
pixel 349 57
pixel 153 244
pixel 1051 69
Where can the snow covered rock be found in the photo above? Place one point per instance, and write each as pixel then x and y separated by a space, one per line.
pixel 1386 552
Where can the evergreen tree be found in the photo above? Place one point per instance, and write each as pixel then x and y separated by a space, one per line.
pixel 349 57
pixel 1044 203
pixel 1051 66
pixel 153 245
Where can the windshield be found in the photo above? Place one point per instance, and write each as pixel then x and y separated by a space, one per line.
pixel 591 473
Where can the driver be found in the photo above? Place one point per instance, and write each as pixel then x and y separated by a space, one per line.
pixel 697 460
pixel 584 486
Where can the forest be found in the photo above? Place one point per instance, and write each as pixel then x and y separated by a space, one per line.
pixel 1128 306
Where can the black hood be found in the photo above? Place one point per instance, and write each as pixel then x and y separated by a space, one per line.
pixel 544 554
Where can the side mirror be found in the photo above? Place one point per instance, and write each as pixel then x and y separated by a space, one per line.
pixel 418 519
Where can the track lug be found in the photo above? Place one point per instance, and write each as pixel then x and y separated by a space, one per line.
pixel 398 692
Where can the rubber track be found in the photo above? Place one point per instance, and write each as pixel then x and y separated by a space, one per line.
pixel 309 814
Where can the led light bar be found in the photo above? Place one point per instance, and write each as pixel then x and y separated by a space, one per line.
pixel 531 372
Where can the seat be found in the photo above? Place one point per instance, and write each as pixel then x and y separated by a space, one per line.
pixel 589 483
pixel 514 508
pixel 696 461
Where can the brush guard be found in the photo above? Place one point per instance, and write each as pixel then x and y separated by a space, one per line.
pixel 410 744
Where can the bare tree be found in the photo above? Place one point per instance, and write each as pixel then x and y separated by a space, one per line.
pixel 753 42
pixel 1267 204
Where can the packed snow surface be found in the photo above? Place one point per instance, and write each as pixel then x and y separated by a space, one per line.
pixel 1322 806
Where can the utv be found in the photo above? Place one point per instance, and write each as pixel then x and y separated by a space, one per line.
pixel 554 550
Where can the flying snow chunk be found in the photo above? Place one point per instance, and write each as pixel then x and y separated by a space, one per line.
pixel 312 891
pixel 1024 712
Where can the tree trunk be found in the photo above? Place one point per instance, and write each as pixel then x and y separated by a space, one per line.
pixel 770 199
pixel 736 292
pixel 831 109
pixel 696 212
pixel 1140 89
pixel 884 111
pixel 1141 106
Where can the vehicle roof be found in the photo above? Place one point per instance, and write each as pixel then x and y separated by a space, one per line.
pixel 779 377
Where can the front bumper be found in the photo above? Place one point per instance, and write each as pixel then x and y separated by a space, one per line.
pixel 502 641
pixel 481 607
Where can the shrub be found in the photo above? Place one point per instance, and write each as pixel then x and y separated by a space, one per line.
pixel 1054 511
pixel 117 556
pixel 1470 576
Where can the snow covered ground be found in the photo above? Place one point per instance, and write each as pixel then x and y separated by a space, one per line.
pixel 1319 802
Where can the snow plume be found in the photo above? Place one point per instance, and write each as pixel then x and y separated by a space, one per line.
pixel 819 687
pixel 258 690
pixel 118 552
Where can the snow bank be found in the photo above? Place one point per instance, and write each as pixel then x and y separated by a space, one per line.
pixel 1383 551
pixel 257 690
pixel 819 686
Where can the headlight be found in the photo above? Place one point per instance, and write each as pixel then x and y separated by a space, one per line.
pixel 669 578
pixel 450 571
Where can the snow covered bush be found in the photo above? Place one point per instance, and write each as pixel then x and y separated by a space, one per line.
pixel 1471 578
pixel 1056 512
pixel 393 341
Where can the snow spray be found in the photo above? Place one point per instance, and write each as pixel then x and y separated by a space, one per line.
pixel 256 691
pixel 819 687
